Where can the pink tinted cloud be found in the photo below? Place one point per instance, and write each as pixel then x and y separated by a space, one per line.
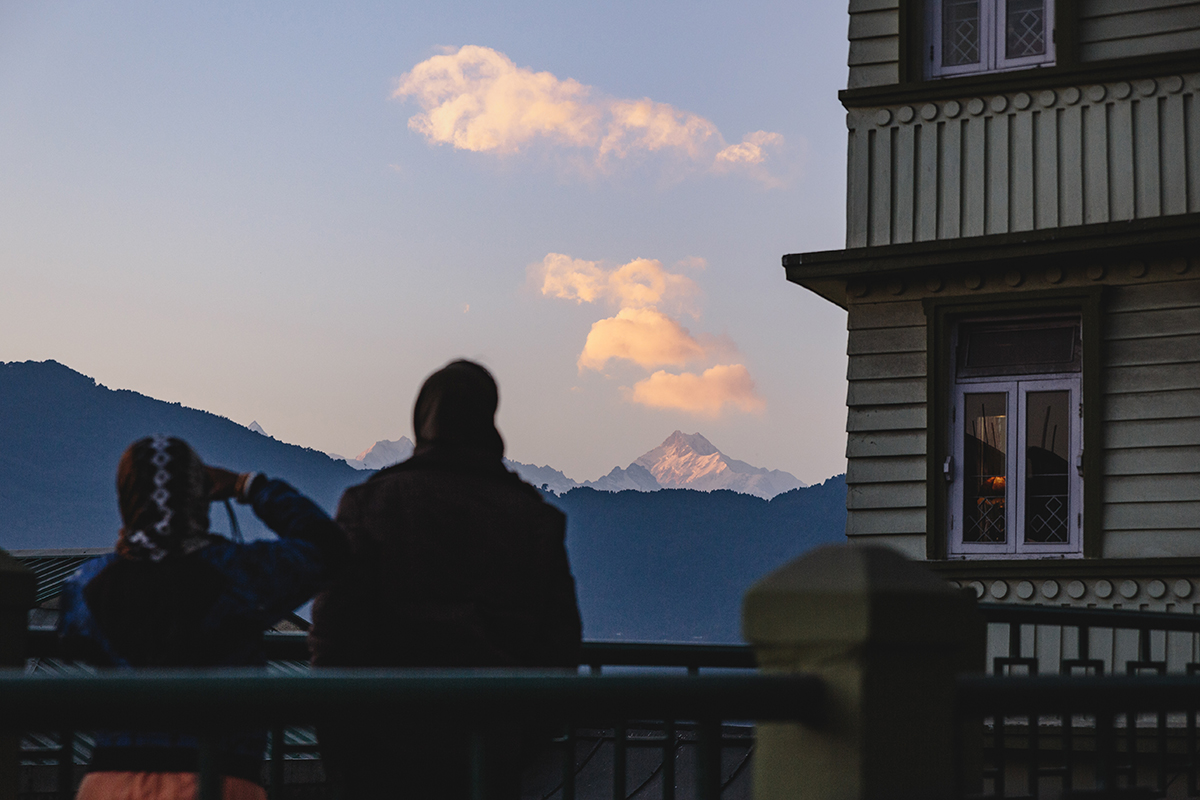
pixel 640 283
pixel 478 99
pixel 645 336
pixel 706 394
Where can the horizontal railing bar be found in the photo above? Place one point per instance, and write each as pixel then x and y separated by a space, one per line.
pixel 229 698
pixel 1091 617
pixel 287 646
pixel 1051 694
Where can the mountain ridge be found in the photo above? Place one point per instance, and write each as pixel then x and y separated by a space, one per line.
pixel 668 565
pixel 682 461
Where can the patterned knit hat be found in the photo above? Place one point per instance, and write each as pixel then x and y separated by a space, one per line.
pixel 162 488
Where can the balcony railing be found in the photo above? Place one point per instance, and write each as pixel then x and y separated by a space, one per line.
pixel 1081 701
pixel 207 702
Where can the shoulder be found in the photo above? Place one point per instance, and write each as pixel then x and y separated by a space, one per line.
pixel 88 570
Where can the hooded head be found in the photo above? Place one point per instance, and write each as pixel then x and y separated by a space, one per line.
pixel 456 409
pixel 162 488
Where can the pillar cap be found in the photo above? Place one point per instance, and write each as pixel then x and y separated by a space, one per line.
pixel 854 594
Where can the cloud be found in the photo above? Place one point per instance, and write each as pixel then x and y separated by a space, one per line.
pixel 641 283
pixel 478 99
pixel 645 336
pixel 750 151
pixel 706 394
pixel 642 334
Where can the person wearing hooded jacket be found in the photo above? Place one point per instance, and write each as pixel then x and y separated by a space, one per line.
pixel 175 595
pixel 456 562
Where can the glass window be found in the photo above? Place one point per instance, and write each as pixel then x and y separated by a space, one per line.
pixel 968 36
pixel 985 467
pixel 1047 465
pixel 1015 489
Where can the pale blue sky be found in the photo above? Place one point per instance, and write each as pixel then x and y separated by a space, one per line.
pixel 222 204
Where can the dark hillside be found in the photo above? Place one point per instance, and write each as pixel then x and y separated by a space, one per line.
pixel 666 565
pixel 674 564
pixel 61 434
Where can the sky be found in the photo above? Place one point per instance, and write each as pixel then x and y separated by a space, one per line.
pixel 292 213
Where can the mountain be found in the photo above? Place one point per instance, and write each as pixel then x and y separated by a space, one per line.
pixel 61 434
pixel 382 454
pixel 545 478
pixel 673 565
pixel 648 565
pixel 254 426
pixel 686 461
pixel 682 461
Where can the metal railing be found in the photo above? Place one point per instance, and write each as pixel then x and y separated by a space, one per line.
pixel 207 702
pixel 1091 641
pixel 1083 702
pixel 289 650
pixel 1084 736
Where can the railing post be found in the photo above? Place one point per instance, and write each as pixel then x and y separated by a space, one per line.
pixel 17 590
pixel 888 637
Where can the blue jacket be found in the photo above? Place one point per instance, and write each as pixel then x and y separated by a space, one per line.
pixel 258 584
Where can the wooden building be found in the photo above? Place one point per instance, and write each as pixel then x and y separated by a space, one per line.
pixel 1022 282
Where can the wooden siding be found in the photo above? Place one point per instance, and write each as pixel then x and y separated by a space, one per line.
pixel 1150 413
pixel 1010 163
pixel 886 420
pixel 874 43
pixel 1123 28
pixel 1152 417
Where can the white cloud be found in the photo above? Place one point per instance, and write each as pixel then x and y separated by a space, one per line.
pixel 638 284
pixel 645 336
pixel 478 99
pixel 641 333
pixel 706 394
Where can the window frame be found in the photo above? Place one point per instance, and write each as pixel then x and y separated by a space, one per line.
pixel 943 315
pixel 992 14
pixel 1016 389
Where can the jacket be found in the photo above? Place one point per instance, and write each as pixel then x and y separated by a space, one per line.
pixel 208 608
pixel 454 563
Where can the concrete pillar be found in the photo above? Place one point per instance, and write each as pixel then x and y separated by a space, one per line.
pixel 888 638
pixel 17 591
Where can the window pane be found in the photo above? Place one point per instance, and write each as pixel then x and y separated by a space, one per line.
pixel 1047 461
pixel 1026 349
pixel 960 32
pixel 1025 28
pixel 985 445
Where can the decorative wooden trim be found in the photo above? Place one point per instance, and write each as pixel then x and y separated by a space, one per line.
pixel 960 569
pixel 1062 74
pixel 1145 238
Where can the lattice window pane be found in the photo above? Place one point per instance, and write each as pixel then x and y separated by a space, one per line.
pixel 985 456
pixel 960 32
pixel 1047 475
pixel 1025 28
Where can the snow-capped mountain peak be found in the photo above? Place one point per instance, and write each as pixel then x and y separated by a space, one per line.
pixel 382 454
pixel 689 461
pixel 682 461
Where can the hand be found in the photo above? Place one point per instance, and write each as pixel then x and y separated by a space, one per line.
pixel 222 483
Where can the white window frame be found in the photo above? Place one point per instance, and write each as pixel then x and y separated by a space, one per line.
pixel 1016 390
pixel 992 58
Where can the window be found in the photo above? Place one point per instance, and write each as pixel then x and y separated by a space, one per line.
pixel 967 36
pixel 1016 420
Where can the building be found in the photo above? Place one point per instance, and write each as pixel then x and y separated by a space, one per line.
pixel 1022 282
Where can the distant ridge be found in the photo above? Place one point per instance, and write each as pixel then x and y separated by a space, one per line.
pixel 689 461
pixel 682 461
pixel 648 565
pixel 61 436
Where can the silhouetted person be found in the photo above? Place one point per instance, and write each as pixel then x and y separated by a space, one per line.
pixel 175 595
pixel 457 563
